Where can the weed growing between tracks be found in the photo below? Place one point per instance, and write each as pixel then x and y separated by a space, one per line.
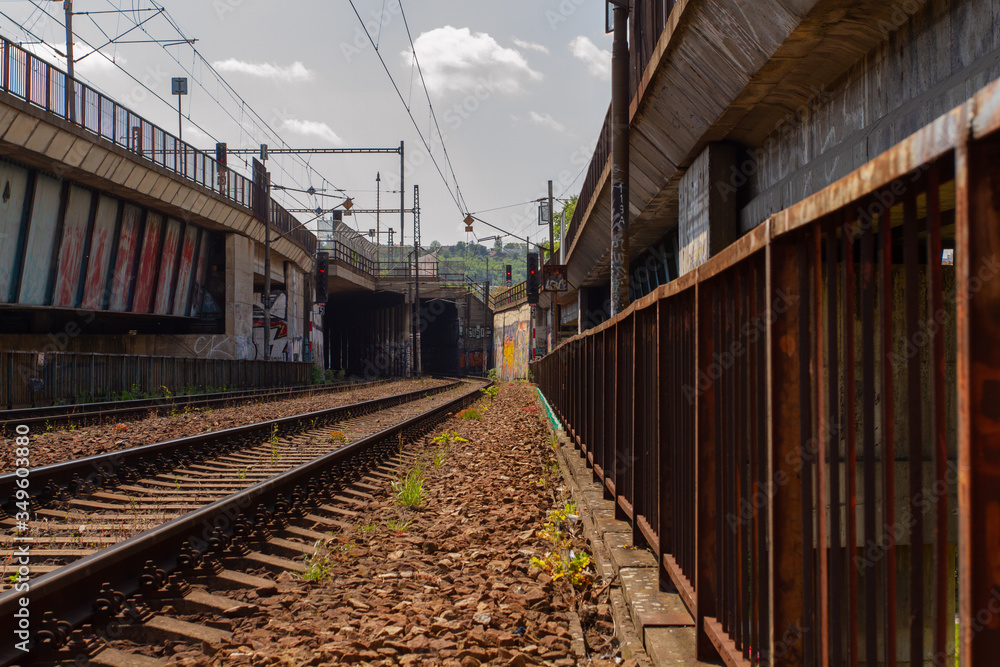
pixel 451 583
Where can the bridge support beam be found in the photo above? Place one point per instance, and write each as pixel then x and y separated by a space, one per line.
pixel 708 206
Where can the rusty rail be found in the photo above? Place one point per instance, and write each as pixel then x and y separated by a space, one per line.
pixel 787 425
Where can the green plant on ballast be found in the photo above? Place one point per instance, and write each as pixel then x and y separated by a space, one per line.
pixel 448 438
pixel 492 375
pixel 470 413
pixel 368 529
pixel 273 441
pixel 320 564
pixel 491 392
pixel 399 526
pixel 409 488
pixel 242 474
pixel 563 560
pixel 440 454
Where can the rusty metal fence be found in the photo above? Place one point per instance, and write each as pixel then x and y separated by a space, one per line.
pixel 806 429
pixel 38 379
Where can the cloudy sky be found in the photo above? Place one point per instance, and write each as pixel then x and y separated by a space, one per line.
pixel 519 89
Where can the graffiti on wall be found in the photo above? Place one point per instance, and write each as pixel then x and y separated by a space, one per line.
pixel 71 247
pixel 510 344
pixel 278 307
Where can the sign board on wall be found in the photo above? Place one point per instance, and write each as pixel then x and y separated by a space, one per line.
pixel 556 278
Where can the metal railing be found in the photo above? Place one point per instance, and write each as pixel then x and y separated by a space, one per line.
pixel 35 81
pixel 784 425
pixel 512 296
pixel 54 378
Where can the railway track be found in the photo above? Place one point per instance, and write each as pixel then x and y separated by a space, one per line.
pixel 162 539
pixel 113 411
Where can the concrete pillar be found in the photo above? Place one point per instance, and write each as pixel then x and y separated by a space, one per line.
pixel 594 307
pixel 239 295
pixel 708 216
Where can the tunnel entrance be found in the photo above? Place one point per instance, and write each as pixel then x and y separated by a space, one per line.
pixel 439 342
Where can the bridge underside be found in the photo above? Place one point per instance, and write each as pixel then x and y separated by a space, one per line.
pixel 369 333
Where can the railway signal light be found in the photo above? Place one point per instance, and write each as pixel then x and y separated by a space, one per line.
pixel 533 279
pixel 322 264
pixel 510 279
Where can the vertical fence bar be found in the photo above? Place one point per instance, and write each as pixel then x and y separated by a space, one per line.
pixel 938 413
pixel 787 531
pixel 850 438
pixel 868 379
pixel 977 254
pixel 888 435
pixel 706 579
pixel 823 578
pixel 911 260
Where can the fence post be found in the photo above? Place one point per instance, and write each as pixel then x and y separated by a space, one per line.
pixel 706 537
pixel 977 252
pixel 791 555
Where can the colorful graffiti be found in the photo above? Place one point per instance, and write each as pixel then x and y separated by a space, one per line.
pixel 278 307
pixel 67 246
pixel 511 344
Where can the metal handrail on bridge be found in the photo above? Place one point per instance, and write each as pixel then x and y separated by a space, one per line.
pixel 40 84
pixel 512 296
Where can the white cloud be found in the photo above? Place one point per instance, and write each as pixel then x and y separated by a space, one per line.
pixel 294 72
pixel 456 60
pixel 598 61
pixel 88 60
pixel 193 135
pixel 531 46
pixel 312 128
pixel 546 120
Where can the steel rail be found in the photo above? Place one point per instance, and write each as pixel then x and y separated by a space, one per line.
pixel 99 469
pixel 70 592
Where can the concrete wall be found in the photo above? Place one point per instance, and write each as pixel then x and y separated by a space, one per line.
pixel 707 215
pixel 933 62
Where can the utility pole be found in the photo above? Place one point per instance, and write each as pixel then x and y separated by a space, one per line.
pixel 70 64
pixel 402 201
pixel 620 98
pixel 552 225
pixel 486 316
pixel 378 212
pixel 266 210
pixel 554 305
pixel 417 366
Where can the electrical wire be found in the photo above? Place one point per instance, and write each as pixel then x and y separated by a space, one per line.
pixel 430 105
pixel 416 126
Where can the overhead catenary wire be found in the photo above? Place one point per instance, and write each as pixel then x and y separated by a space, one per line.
pixel 416 126
pixel 106 57
pixel 140 24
